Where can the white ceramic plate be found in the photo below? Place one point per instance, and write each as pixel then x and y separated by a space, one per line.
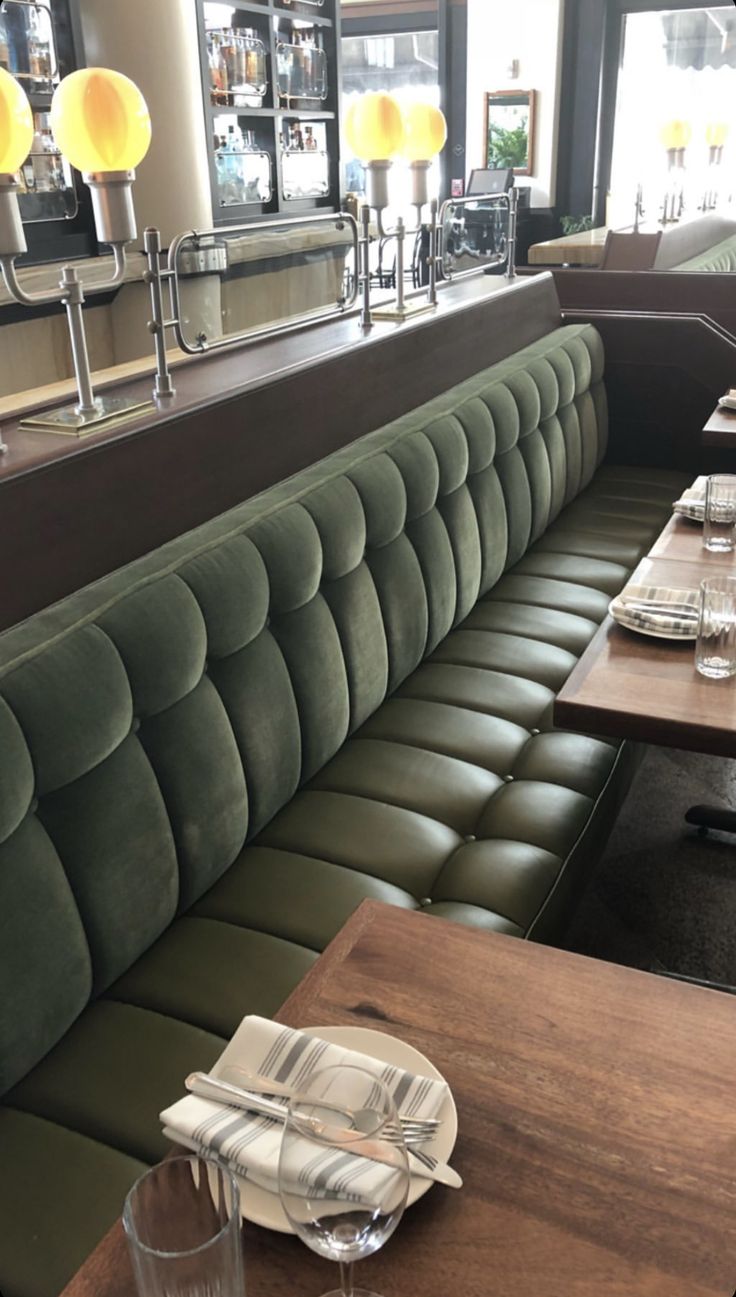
pixel 264 1208
pixel 675 637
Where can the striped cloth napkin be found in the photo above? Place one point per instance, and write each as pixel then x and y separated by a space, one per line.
pixel 248 1143
pixel 657 608
pixel 692 501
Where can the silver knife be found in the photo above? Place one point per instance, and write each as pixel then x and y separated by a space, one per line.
pixel 420 1163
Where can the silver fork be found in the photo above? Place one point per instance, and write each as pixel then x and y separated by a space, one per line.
pixel 413 1130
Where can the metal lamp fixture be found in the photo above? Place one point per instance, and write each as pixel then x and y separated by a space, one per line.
pixel 101 123
pixel 675 136
pixel 377 130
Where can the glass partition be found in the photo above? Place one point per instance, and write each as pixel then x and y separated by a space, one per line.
pixel 243 279
pixel 474 235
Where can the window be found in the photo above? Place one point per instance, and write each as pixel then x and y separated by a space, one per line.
pixel 675 123
pixel 406 64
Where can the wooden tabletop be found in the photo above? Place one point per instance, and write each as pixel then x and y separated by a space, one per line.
pixel 584 249
pixel 597 1136
pixel 720 430
pixel 629 685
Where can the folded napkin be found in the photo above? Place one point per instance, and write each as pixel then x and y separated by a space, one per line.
pixel 657 608
pixel 692 501
pixel 250 1143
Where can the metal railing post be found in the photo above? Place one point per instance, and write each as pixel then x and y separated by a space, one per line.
pixel 513 223
pixel 163 385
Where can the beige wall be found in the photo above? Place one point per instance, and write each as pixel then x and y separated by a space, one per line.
pixel 530 31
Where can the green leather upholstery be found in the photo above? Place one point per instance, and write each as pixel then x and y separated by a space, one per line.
pixel 341 689
pixel 721 257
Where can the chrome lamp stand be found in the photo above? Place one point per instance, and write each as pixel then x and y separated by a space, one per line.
pixel 115 222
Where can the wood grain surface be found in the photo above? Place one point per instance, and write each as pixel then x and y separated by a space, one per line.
pixel 720 430
pixel 597 1136
pixel 629 685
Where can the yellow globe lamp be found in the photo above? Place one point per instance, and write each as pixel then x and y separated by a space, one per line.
pixel 374 130
pixel 425 132
pixel 374 127
pixel 676 135
pixel 16 125
pixel 100 121
pixel 16 138
pixel 716 134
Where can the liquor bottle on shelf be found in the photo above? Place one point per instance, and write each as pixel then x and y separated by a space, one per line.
pixel 302 67
pixel 218 68
pixel 39 52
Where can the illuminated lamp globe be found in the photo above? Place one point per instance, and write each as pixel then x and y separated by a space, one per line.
pixel 676 135
pixel 425 132
pixel 374 127
pixel 16 125
pixel 716 134
pixel 100 121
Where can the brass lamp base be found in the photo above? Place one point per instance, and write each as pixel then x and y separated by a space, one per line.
pixel 404 312
pixel 68 422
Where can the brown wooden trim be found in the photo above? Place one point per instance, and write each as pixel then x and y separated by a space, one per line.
pixel 720 430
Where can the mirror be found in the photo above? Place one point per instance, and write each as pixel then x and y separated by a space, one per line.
pixel 509 130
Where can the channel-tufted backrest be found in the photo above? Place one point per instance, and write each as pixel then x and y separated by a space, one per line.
pixel 153 722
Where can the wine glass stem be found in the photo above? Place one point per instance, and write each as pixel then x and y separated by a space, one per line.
pixel 346 1278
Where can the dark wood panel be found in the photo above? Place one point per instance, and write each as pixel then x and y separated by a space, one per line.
pixel 670 344
pixel 720 430
pixel 241 421
pixel 664 292
pixel 595 1122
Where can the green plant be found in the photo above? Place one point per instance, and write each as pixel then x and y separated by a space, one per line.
pixel 576 224
pixel 508 148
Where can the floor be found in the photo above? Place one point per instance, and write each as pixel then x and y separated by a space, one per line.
pixel 663 898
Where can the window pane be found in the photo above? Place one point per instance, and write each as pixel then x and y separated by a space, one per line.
pixel 675 130
pixel 407 66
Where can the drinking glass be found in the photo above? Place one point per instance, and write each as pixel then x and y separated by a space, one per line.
pixel 715 650
pixel 182 1221
pixel 719 521
pixel 343 1169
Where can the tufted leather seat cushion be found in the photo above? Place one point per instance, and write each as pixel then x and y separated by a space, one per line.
pixel 341 689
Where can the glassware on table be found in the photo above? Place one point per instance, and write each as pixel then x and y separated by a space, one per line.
pixel 342 1203
pixel 182 1222
pixel 719 520
pixel 715 649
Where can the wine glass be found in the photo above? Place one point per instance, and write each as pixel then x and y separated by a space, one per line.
pixel 343 1168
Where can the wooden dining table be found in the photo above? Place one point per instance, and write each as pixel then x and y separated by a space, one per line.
pixel 596 1132
pixel 584 249
pixel 632 686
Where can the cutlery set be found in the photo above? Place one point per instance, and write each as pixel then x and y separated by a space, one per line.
pixel 253 1097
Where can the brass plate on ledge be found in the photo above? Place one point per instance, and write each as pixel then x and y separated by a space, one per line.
pixel 66 422
pixel 401 313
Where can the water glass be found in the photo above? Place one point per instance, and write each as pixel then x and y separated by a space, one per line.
pixel 182 1221
pixel 719 520
pixel 715 650
pixel 343 1169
